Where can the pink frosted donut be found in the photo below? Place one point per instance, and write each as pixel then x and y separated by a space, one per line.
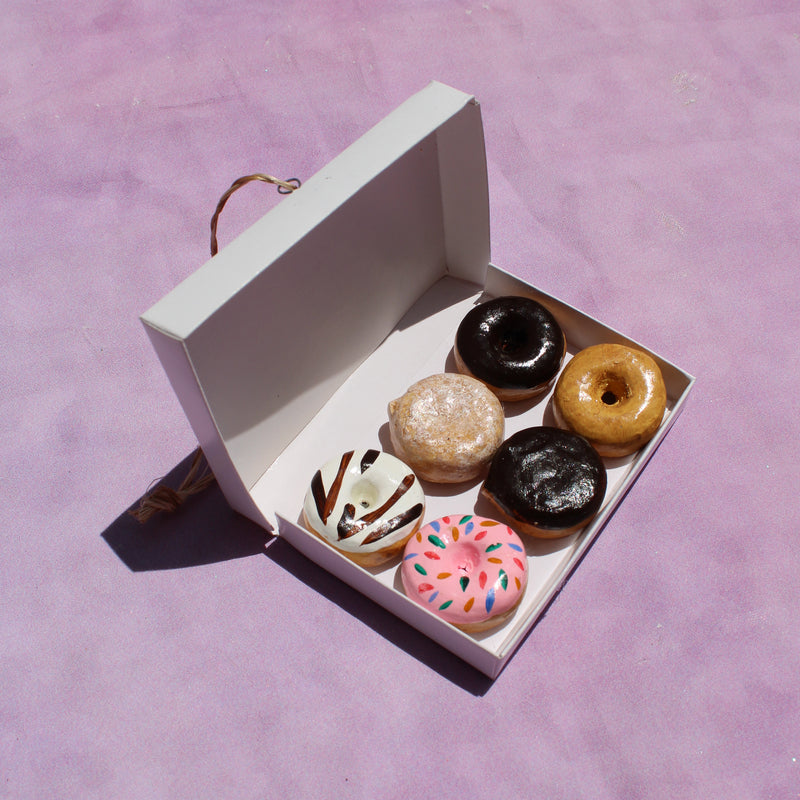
pixel 470 571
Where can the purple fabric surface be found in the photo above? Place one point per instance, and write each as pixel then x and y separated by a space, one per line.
pixel 644 165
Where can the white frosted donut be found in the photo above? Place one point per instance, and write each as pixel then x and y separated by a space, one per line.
pixel 366 504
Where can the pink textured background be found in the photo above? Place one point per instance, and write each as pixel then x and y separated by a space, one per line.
pixel 644 165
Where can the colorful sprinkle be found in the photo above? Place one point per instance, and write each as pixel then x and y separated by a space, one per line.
pixel 482 580
pixel 468 605
pixel 480 535
pixel 435 525
pixel 454 534
pixel 487 523
pixel 419 568
pixel 433 597
pixel 442 575
pixel 494 546
pixel 495 560
pixel 515 547
pixel 519 585
pixel 419 536
pixel 435 540
pixel 519 564
pixel 444 605
pixel 503 579
pixel 465 519
pixel 464 581
pixel 432 555
pixel 410 555
pixel 468 529
pixel 489 599
pixel 425 587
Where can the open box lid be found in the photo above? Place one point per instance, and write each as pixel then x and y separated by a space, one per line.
pixel 259 338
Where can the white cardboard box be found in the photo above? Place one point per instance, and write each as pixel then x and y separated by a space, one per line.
pixel 286 347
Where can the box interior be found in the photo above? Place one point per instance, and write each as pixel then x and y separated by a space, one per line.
pixel 356 416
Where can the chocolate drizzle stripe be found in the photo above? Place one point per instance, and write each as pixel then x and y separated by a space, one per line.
pixel 346 527
pixel 318 492
pixel 393 524
pixel 406 484
pixel 333 494
pixel 369 459
pixel 349 526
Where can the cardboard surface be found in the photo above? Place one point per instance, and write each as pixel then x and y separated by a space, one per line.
pixel 381 281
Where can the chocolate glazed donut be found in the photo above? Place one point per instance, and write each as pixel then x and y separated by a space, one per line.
pixel 546 482
pixel 512 344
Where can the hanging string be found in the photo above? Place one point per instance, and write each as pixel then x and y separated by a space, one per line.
pixel 164 499
pixel 284 187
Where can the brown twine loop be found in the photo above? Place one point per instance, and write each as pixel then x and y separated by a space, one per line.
pixel 284 187
pixel 164 499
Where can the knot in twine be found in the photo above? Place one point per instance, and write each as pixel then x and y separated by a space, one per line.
pixel 163 498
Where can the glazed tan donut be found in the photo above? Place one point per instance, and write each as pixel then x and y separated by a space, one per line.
pixel 612 395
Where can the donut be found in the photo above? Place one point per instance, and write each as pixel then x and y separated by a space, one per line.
pixel 446 427
pixel 366 504
pixel 513 344
pixel 470 571
pixel 613 395
pixel 546 482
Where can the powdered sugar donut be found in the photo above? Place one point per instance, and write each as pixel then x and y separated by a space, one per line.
pixel 366 504
pixel 470 571
pixel 447 427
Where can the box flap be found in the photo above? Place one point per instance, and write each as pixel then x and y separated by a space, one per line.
pixel 271 326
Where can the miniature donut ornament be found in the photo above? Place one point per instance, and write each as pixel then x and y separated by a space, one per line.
pixel 446 427
pixel 470 571
pixel 512 344
pixel 546 482
pixel 366 504
pixel 612 395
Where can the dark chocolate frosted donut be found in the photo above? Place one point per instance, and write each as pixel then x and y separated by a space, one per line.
pixel 546 481
pixel 513 344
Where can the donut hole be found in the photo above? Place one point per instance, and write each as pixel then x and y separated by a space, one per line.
pixel 511 339
pixel 613 390
pixel 364 494
pixel 469 556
